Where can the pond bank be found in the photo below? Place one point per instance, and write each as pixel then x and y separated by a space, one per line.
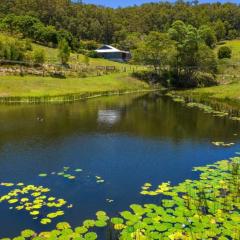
pixel 225 97
pixel 68 97
pixel 28 89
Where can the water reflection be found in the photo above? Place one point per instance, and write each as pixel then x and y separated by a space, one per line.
pixel 109 117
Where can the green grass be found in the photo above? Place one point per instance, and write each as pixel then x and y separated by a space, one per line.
pixel 47 86
pixel 221 92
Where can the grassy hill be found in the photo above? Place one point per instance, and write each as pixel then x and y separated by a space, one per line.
pixel 25 87
pixel 52 55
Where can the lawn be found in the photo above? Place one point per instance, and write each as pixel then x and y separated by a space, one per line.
pixel 47 86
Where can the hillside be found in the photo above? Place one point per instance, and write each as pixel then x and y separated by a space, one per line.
pixel 27 86
pixel 52 55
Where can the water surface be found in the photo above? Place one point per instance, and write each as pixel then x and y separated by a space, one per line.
pixel 127 140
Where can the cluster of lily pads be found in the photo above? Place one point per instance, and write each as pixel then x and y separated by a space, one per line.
pixel 207 208
pixel 164 187
pixel 204 107
pixel 33 199
pixel 68 174
pixel 222 144
pixel 64 173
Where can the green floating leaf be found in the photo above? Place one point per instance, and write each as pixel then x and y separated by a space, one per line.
pixel 42 175
pixel 28 233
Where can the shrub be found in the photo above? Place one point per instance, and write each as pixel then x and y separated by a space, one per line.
pixel 92 54
pixel 64 51
pixel 204 79
pixel 224 52
pixel 198 79
pixel 39 56
pixel 28 45
pixel 89 44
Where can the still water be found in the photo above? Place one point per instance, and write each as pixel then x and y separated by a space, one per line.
pixel 127 140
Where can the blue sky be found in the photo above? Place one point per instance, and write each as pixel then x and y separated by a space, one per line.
pixel 123 3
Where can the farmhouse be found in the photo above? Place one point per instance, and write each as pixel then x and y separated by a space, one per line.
pixel 114 54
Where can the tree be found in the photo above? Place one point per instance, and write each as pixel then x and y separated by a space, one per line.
pixel 208 35
pixel 224 52
pixel 154 50
pixel 192 54
pixel 8 23
pixel 220 30
pixel 64 51
pixel 24 25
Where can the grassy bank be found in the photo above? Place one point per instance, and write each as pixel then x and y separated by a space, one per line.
pixel 228 92
pixel 17 89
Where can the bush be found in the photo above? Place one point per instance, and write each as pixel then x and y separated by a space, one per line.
pixel 28 45
pixel 12 50
pixel 224 52
pixel 89 45
pixel 39 56
pixel 199 79
pixel 92 54
pixel 204 79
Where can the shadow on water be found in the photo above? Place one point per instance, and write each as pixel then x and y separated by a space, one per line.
pixel 128 140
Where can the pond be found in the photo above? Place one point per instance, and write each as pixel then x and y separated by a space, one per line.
pixel 124 140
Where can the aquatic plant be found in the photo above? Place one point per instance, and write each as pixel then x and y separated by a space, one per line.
pixel 33 199
pixel 63 173
pixel 206 108
pixel 207 208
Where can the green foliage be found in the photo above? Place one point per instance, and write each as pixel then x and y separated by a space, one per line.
pixel 224 52
pixel 64 51
pixel 13 50
pixel 89 44
pixel 106 25
pixel 192 55
pixel 39 56
pixel 208 35
pixel 220 30
pixel 155 50
pixel 92 54
pixel 28 45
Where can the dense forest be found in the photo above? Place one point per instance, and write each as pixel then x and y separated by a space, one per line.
pixel 77 21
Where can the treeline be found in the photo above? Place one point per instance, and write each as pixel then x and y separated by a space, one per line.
pixel 32 28
pixel 78 21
